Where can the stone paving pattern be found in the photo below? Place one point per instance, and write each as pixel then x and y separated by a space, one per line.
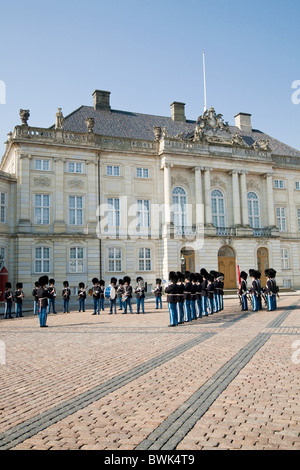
pixel 47 367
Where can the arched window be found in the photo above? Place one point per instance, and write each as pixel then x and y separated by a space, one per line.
pixel 253 210
pixel 179 199
pixel 218 208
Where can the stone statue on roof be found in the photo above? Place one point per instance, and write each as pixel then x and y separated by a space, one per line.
pixel 59 121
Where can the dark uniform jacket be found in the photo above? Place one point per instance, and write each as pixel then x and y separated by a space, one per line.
pixel 187 291
pixel 171 291
pixel 43 295
pixel 180 292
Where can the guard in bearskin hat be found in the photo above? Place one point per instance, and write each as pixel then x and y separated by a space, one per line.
pixel 66 293
pixel 127 294
pixel 243 291
pixel 180 297
pixel 52 291
pixel 43 295
pixel 81 297
pixel 35 299
pixel 102 294
pixel 19 299
pixel 199 280
pixel 120 292
pixel 204 283
pixel 8 299
pixel 96 296
pixel 157 291
pixel 171 291
pixel 254 289
pixel 140 294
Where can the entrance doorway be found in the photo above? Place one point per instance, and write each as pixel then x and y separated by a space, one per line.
pixel 262 263
pixel 227 266
pixel 187 260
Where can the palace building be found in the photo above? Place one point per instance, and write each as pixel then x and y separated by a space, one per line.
pixel 106 193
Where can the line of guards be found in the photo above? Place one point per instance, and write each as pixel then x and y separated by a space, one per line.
pixel 257 292
pixel 193 295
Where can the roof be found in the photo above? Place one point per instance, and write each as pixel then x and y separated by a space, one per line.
pixel 132 125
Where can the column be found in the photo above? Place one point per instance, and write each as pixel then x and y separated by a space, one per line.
pixel 236 198
pixel 207 192
pixel 92 200
pixel 167 192
pixel 199 196
pixel 270 200
pixel 24 194
pixel 245 216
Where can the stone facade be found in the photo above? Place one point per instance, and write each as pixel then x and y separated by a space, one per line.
pixel 80 201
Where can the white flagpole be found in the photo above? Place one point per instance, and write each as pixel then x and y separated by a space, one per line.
pixel 205 106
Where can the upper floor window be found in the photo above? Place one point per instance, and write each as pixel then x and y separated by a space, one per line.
pixel 179 206
pixel 143 213
pixel 281 219
pixel 278 184
pixel 42 165
pixel 113 214
pixel 75 210
pixel 285 259
pixel 142 172
pixel 144 259
pixel 112 170
pixel 297 185
pixel 75 167
pixel 42 209
pixel 2 256
pixel 114 260
pixel 3 201
pixel 218 208
pixel 253 210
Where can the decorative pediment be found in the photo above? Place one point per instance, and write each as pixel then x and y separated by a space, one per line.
pixel 179 179
pixel 75 184
pixel 41 181
pixel 218 183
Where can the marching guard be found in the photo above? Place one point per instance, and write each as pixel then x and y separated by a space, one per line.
pixel 81 297
pixel 66 293
pixel 8 299
pixel 171 291
pixel 96 296
pixel 157 291
pixel 127 294
pixel 19 299
pixel 180 298
pixel 140 294
pixel 243 291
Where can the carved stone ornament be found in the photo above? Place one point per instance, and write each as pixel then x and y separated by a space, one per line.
pixel 157 132
pixel 90 123
pixel 178 179
pixel 41 181
pixel 59 121
pixel 251 185
pixel 75 184
pixel 24 115
pixel 261 145
pixel 218 183
pixel 237 141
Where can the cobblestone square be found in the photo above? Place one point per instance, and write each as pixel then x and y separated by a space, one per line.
pixel 129 382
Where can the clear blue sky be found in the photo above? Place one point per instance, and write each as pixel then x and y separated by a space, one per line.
pixel 148 54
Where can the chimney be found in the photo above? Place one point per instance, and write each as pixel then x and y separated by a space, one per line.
pixel 243 122
pixel 101 100
pixel 177 111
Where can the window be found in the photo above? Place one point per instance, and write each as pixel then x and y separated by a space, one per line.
pixel 42 260
pixel 298 214
pixel 144 259
pixel 74 167
pixel 179 207
pixel 142 172
pixel 281 219
pixel 253 210
pixel 297 185
pixel 218 208
pixel 114 260
pixel 285 263
pixel 3 198
pixel 42 165
pixel 75 210
pixel 278 184
pixel 2 256
pixel 42 209
pixel 112 170
pixel 143 213
pixel 113 212
pixel 76 259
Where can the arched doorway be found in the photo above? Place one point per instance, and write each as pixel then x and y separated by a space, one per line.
pixel 262 263
pixel 227 266
pixel 187 258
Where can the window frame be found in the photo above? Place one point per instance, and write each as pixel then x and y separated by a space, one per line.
pixel 44 209
pixel 217 215
pixel 77 210
pixel 42 259
pixel 145 262
pixel 252 217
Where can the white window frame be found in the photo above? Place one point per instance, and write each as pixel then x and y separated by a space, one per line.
pixel 143 212
pixel 142 172
pixel 285 258
pixel 281 219
pixel 76 211
pixel 254 218
pixel 114 260
pixel 3 207
pixel 43 260
pixel 112 170
pixel 42 211
pixel 279 184
pixel 218 208
pixel 297 185
pixel 145 259
pixel 76 263
pixel 43 166
pixel 113 212
pixel 179 206
pixel 75 167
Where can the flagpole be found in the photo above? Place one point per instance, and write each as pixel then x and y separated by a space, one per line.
pixel 204 80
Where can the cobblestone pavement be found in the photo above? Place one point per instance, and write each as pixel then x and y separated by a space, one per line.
pixel 129 382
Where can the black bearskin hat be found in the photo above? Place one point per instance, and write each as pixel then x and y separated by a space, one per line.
pixel 204 273
pixel 43 280
pixel 113 280
pixel 158 281
pixel 8 285
pixel 101 282
pixel 173 276
pixel 95 280
pixel 37 284
pixel 19 285
pixel 81 285
pixel 252 273
pixel 121 282
pixel 244 275
pixel 66 283
pixel 127 279
pixel 51 281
